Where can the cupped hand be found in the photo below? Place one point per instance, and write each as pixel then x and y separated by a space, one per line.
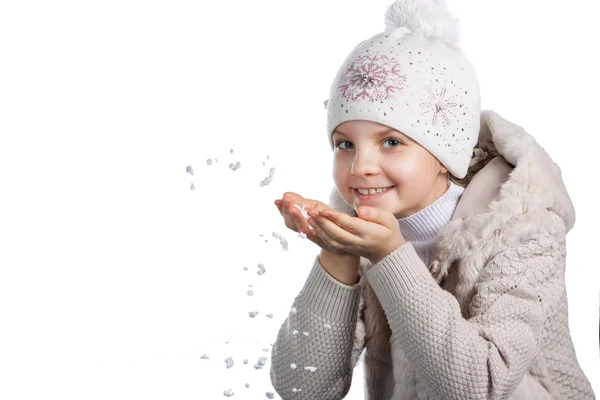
pixel 295 221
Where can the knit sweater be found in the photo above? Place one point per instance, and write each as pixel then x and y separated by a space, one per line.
pixel 486 319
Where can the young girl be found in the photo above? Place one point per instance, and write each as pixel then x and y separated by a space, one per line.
pixel 443 243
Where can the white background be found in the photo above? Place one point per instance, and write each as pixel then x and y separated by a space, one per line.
pixel 116 277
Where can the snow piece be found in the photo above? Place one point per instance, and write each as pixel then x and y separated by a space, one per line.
pixel 282 240
pixel 261 269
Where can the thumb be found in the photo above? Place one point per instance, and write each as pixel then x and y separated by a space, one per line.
pixel 376 215
pixel 367 213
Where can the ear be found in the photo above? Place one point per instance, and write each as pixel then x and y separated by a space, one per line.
pixel 443 169
pixel 441 166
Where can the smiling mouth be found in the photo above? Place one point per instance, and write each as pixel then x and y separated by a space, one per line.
pixel 371 196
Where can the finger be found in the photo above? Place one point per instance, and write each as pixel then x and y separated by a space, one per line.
pixel 317 210
pixel 377 216
pixel 294 213
pixel 318 230
pixel 351 224
pixel 292 197
pixel 290 201
pixel 336 235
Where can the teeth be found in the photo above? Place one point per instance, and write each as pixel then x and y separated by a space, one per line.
pixel 371 192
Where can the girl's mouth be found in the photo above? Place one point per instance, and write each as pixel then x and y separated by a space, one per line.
pixel 371 196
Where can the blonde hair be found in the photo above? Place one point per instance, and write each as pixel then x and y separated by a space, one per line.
pixel 480 159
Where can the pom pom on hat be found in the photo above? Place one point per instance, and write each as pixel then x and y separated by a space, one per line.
pixel 430 17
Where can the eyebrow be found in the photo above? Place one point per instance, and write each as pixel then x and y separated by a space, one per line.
pixel 381 133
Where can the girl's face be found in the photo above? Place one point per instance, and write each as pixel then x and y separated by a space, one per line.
pixel 369 155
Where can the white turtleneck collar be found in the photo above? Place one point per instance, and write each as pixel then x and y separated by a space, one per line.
pixel 422 227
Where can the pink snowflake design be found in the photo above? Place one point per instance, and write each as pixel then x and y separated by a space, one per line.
pixel 371 77
pixel 439 106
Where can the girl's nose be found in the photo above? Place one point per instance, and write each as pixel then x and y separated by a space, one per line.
pixel 364 165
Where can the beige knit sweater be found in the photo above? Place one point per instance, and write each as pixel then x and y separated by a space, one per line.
pixel 486 319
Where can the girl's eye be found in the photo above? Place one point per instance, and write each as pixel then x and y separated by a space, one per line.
pixel 338 144
pixel 394 140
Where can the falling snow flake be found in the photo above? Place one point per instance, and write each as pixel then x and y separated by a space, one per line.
pixel 260 363
pixel 235 166
pixel 261 269
pixel 282 240
pixel 229 362
pixel 268 180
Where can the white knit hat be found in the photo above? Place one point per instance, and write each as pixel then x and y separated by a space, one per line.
pixel 414 78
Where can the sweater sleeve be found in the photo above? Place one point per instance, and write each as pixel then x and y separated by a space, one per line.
pixel 488 354
pixel 320 341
